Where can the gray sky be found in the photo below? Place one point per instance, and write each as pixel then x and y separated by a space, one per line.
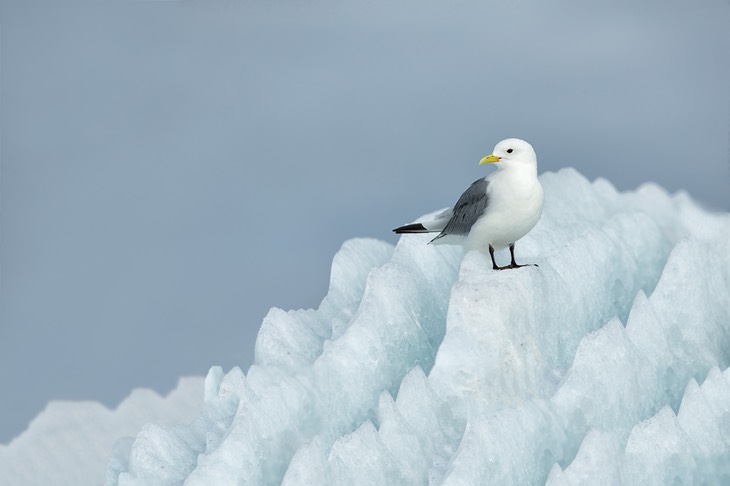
pixel 173 169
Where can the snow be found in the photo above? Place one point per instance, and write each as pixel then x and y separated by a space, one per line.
pixel 607 364
pixel 425 366
pixel 70 442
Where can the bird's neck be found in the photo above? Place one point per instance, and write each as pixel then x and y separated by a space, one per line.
pixel 522 170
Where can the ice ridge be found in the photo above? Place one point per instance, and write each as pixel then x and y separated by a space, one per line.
pixel 424 366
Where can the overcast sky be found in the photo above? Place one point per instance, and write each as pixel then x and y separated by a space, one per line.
pixel 173 169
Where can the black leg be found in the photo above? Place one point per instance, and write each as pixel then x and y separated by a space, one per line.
pixel 494 263
pixel 513 263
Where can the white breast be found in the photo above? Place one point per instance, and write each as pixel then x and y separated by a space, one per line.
pixel 514 207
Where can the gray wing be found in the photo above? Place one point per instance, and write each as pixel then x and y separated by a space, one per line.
pixel 467 210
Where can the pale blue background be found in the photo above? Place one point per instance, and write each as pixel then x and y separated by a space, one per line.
pixel 170 170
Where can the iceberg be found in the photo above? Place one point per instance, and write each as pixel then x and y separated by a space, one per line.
pixel 69 442
pixel 607 364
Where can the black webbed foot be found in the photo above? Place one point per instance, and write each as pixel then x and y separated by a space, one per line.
pixel 513 263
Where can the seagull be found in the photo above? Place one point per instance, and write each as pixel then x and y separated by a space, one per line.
pixel 495 211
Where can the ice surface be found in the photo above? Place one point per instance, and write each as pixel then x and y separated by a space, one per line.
pixel 425 366
pixel 70 442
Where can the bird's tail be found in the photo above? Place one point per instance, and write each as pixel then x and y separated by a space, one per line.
pixel 413 228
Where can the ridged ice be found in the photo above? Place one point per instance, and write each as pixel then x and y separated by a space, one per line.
pixel 425 366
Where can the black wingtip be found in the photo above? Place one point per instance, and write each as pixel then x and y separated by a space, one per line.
pixel 411 228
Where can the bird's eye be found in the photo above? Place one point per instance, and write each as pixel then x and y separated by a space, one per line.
pixel 509 151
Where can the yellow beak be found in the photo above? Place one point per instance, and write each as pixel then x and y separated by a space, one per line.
pixel 488 159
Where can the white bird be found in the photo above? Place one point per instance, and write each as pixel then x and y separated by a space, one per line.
pixel 496 211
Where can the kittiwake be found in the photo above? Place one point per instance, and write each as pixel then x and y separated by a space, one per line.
pixel 496 211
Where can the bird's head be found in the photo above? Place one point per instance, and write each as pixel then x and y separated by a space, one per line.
pixel 511 152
